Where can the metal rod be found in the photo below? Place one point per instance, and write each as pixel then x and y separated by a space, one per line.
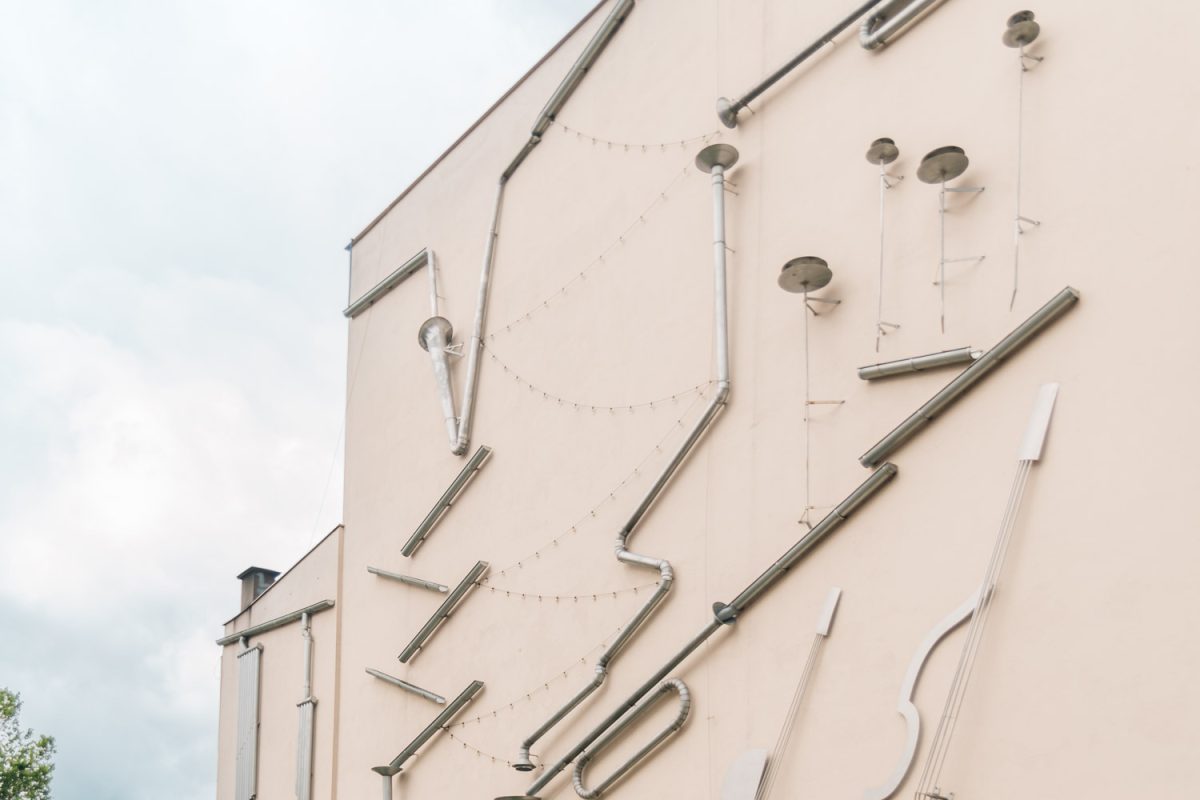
pixel 666 574
pixel 725 614
pixel 884 20
pixel 905 366
pixel 278 622
pixel 398 276
pixel 433 284
pixel 408 687
pixel 438 723
pixel 728 110
pixel 306 634
pixel 1041 319
pixel 444 610
pixel 408 579
pixel 446 500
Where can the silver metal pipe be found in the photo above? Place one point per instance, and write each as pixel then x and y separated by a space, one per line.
pixel 444 610
pixel 724 158
pixel 272 624
pixel 888 18
pixel 434 337
pixel 307 721
pixel 726 613
pixel 408 687
pixel 387 772
pixel 557 100
pixel 438 723
pixel 446 500
pixel 727 110
pixel 644 706
pixel 433 283
pixel 410 580
pixel 306 634
pixel 1060 304
pixel 398 276
pixel 904 366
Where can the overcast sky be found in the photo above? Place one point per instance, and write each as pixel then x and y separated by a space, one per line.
pixel 177 182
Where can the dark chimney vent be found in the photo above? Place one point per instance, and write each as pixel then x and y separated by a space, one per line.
pixel 255 581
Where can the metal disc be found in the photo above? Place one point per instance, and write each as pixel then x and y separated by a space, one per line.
pixel 726 113
pixel 943 164
pixel 431 324
pixel 882 151
pixel 1021 30
pixel 805 274
pixel 716 155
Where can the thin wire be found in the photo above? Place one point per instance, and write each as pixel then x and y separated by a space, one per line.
pixel 658 402
pixel 807 426
pixel 497 760
pixel 785 732
pixel 527 595
pixel 1017 216
pixel 638 146
pixel 879 313
pixel 942 257
pixel 659 198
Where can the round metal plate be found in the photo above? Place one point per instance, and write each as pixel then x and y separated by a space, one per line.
pixel 726 113
pixel 805 274
pixel 882 151
pixel 943 164
pixel 716 155
pixel 1021 33
pixel 431 324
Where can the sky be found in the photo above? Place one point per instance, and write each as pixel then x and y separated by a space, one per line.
pixel 178 180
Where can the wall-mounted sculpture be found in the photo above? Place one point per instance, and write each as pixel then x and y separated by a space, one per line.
pixel 937 167
pixel 883 152
pixel 447 499
pixel 456 596
pixel 439 723
pixel 1020 31
pixel 1028 454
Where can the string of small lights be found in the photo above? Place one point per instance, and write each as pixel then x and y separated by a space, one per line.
pixel 595 596
pixel 576 405
pixel 498 760
pixel 544 686
pixel 637 147
pixel 591 513
pixel 581 275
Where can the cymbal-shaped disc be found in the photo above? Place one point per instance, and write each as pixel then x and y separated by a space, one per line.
pixel 882 151
pixel 805 274
pixel 716 155
pixel 1021 29
pixel 435 324
pixel 943 164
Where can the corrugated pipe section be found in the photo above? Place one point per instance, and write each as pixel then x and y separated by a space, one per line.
pixel 715 159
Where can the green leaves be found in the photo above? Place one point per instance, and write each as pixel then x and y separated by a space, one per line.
pixel 25 758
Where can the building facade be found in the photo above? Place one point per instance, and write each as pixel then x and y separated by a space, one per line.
pixel 667 461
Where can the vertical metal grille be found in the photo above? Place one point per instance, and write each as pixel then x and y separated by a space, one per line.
pixel 246 781
pixel 304 749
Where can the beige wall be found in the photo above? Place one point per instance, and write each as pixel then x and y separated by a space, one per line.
pixel 1084 684
pixel 310 581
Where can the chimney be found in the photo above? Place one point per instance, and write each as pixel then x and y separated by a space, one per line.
pixel 255 581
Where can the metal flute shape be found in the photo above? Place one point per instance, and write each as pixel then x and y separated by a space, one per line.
pixel 636 713
pixel 557 100
pixel 726 613
pixel 408 687
pixel 715 159
pixel 888 19
pixel 394 279
pixel 448 605
pixel 728 110
pixel 409 580
pixel 307 723
pixel 1041 319
pixel 447 499
pixel 439 722
pixel 905 366
pixel 912 717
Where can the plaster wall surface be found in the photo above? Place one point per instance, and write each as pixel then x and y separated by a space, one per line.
pixel 1085 682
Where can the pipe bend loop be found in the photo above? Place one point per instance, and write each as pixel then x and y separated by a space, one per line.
pixel 635 713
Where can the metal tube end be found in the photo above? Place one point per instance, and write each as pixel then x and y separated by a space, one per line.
pixel 726 112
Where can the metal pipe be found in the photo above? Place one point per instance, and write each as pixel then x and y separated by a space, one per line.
pixel 438 723
pixel 434 337
pixel 433 284
pixel 722 615
pixel 727 110
pixel 307 721
pixel 903 366
pixel 272 624
pixel 1060 304
pixel 889 17
pixel 645 705
pixel 444 610
pixel 306 634
pixel 446 500
pixel 716 159
pixel 408 687
pixel 398 276
pixel 408 579
pixel 387 773
pixel 557 100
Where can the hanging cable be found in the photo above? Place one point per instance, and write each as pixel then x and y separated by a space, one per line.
pixel 638 147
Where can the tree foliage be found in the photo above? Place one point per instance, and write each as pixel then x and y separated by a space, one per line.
pixel 25 758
